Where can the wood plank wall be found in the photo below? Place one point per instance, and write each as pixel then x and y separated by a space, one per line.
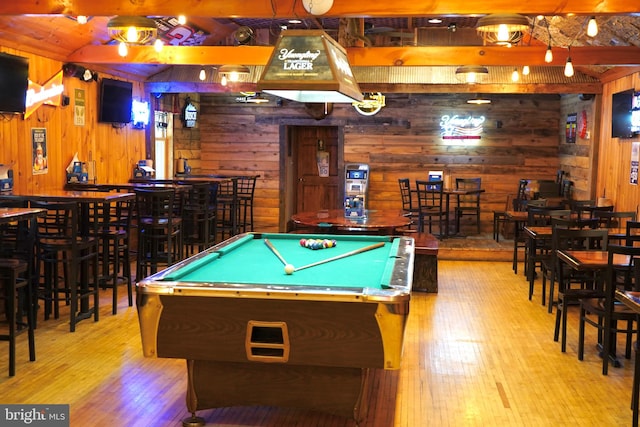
pixel 115 150
pixel 520 140
pixel 614 155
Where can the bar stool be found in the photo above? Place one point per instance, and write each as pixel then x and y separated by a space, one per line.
pixel 60 244
pixel 17 295
pixel 114 232
pixel 197 217
pixel 227 208
pixel 159 230
pixel 246 190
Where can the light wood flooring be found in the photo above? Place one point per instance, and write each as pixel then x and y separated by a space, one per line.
pixel 478 353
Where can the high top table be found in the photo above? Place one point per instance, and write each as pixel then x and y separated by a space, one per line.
pixel 383 222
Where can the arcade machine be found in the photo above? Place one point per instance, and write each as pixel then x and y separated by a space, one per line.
pixel 355 190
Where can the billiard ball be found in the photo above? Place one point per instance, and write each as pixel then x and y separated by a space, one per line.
pixel 289 268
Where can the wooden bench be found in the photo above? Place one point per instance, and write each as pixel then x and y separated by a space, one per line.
pixel 425 266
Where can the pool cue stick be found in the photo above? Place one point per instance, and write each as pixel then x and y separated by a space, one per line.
pixel 275 251
pixel 348 254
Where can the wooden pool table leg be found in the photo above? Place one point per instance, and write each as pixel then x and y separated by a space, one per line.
pixel 192 401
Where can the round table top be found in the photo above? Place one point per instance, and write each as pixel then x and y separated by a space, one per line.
pixel 374 219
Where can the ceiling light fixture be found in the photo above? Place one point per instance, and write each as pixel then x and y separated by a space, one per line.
pixel 317 7
pixel 592 27
pixel 232 73
pixel 131 30
pixel 515 76
pixel 471 73
pixel 502 28
pixel 525 70
pixel 568 67
pixel 203 74
pixel 548 55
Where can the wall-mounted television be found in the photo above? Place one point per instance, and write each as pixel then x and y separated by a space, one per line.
pixel 14 82
pixel 116 97
pixel 621 105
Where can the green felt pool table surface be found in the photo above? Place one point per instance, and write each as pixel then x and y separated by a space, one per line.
pixel 248 260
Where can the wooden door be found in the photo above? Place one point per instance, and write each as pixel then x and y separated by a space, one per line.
pixel 314 192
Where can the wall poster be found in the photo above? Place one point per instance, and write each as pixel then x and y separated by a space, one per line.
pixel 39 146
pixel 633 173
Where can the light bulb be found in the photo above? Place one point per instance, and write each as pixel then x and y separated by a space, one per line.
pixel 515 76
pixel 525 70
pixel 503 33
pixel 122 49
pixel 234 76
pixel 203 74
pixel 132 34
pixel 158 45
pixel 471 77
pixel 82 19
pixel 548 55
pixel 182 19
pixel 223 80
pixel 568 68
pixel 592 27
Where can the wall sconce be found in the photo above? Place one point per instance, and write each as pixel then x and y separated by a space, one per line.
pixel 370 105
pixel 138 30
pixel 232 73
pixel 502 28
pixel 471 73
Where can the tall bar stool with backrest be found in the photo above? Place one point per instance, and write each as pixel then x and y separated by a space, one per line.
pixel 227 212
pixel 430 205
pixel 408 203
pixel 468 204
pixel 16 270
pixel 197 217
pixel 246 190
pixel 159 230
pixel 114 234
pixel 61 245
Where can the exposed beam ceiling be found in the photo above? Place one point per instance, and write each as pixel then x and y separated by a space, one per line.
pixel 291 8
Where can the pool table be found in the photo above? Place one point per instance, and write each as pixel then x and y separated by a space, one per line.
pixel 254 335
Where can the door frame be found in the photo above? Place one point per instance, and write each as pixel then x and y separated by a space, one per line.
pixel 287 184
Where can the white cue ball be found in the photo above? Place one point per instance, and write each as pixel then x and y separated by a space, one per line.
pixel 289 269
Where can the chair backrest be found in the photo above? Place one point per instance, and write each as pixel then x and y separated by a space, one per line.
pixel 633 233
pixel 580 239
pixel 566 189
pixel 246 186
pixel 155 204
pixel 542 216
pixel 610 219
pixel 405 193
pixel 198 197
pixel 469 200
pixel 579 223
pixel 522 189
pixel 429 194
pixel 60 222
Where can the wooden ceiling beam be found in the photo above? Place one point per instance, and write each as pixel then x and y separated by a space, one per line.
pixel 367 57
pixel 293 8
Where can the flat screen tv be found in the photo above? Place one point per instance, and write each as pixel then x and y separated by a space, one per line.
pixel 621 106
pixel 116 97
pixel 14 82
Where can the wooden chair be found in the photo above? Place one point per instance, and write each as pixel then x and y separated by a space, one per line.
pixel 246 190
pixel 632 235
pixel 616 222
pixel 604 312
pixel 408 203
pixel 500 219
pixel 430 206
pixel 573 285
pixel 468 204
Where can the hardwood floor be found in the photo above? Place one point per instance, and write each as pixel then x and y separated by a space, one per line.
pixel 478 353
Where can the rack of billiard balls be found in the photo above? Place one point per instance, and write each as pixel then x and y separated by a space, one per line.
pixel 318 243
